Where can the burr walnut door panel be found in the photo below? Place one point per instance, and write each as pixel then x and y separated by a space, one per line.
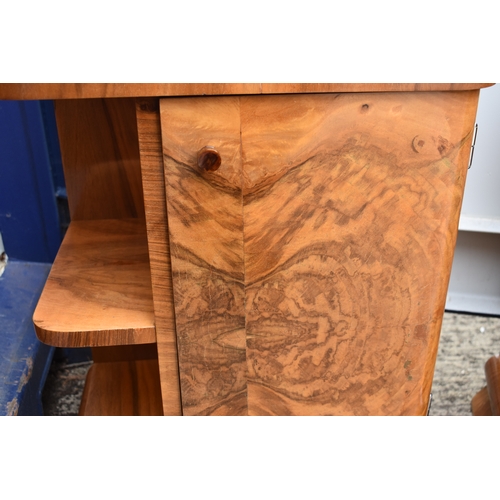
pixel 311 241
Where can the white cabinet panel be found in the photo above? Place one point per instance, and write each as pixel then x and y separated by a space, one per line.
pixel 481 205
pixel 475 278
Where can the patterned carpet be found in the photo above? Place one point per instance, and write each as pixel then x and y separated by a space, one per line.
pixel 63 389
pixel 466 343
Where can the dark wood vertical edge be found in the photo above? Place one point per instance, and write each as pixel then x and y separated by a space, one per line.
pixel 150 146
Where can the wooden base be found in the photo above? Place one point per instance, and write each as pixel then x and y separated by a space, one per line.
pixel 123 388
pixel 487 401
pixel 481 404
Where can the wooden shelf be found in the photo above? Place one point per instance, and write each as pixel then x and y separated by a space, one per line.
pixel 99 290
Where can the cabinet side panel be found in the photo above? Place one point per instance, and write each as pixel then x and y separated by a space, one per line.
pixel 100 154
pixel 148 125
pixel 351 206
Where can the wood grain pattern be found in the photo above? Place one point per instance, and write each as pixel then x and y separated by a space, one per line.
pixel 306 88
pixel 148 125
pixel 124 388
pixel 350 223
pixel 100 156
pixel 350 215
pixel 108 90
pixel 98 292
pixel 206 243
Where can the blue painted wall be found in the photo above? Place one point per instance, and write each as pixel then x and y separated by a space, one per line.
pixel 31 181
pixel 32 198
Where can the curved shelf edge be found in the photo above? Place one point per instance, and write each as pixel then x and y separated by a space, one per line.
pixel 98 292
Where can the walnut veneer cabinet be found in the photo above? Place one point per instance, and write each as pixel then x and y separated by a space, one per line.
pixel 256 249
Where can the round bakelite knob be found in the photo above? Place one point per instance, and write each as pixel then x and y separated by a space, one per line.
pixel 209 159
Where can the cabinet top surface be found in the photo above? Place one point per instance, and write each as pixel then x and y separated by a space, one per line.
pixel 21 91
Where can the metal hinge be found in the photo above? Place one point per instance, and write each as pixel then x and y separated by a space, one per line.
pixel 472 147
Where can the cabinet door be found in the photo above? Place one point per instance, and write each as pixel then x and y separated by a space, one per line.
pixel 205 220
pixel 310 269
